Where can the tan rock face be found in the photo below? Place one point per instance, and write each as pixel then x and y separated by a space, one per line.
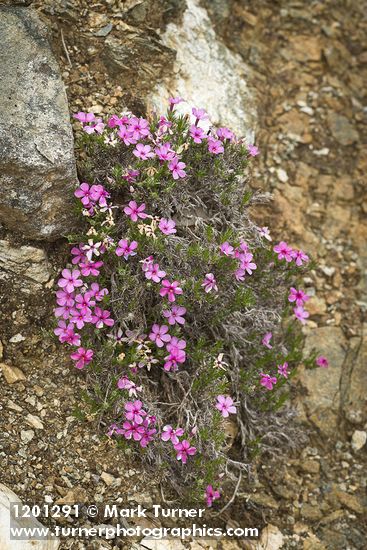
pixel 322 401
pixel 37 166
pixel 25 261
pixel 11 374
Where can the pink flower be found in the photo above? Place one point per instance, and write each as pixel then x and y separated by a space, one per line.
pixel 164 152
pixel 264 232
pixel 184 450
pixel 125 384
pixel 175 344
pixel 148 434
pixel 159 335
pixel 299 257
pixel 96 126
pixel 78 254
pixel 139 127
pixel 102 317
pixel 298 296
pixel 96 292
pixel 177 168
pixel 90 268
pixel 82 357
pixel 211 495
pixel 63 311
pixel 114 121
pixel 83 193
pixel 267 381
pixel 143 151
pixel 168 227
pixel 84 118
pixel 174 101
pixel 283 370
pixel 200 114
pixel 322 361
pixel 131 175
pixel 171 290
pixel 134 411
pixel 301 314
pixel 240 274
pixel 284 251
pixel 80 317
pixel 84 302
pixel 125 249
pixel 246 263
pixel 135 211
pixel 225 406
pixel 99 194
pixel 66 333
pixel 153 272
pixel 176 356
pixel 197 134
pixel 266 340
pixel 127 135
pixel 70 280
pixel 253 150
pixel 215 146
pixel 169 434
pixel 225 133
pixel 209 283
pixel 132 430
pixel 174 315
pixel 227 249
pixel 65 298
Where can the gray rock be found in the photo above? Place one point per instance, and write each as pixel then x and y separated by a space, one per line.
pixel 341 129
pixel 24 261
pixel 120 54
pixel 355 382
pixel 16 2
pixel 37 165
pixel 322 401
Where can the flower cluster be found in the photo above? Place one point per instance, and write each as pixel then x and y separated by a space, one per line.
pixel 193 289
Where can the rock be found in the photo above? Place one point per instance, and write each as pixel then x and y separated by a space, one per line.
pixel 169 544
pixel 316 306
pixel 17 338
pixel 298 51
pixel 310 466
pixel 225 96
pixel 265 500
pixel 37 165
pixel 7 497
pixel 341 129
pixel 359 439
pixel 323 385
pixel 34 421
pixel 26 436
pixel 282 175
pixel 271 538
pixel 354 398
pixel 352 502
pixel 313 543
pixel 310 512
pixel 120 56
pixel 12 374
pixel 24 261
pixel 110 480
pixel 74 496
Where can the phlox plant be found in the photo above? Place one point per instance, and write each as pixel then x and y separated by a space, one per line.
pixel 182 313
